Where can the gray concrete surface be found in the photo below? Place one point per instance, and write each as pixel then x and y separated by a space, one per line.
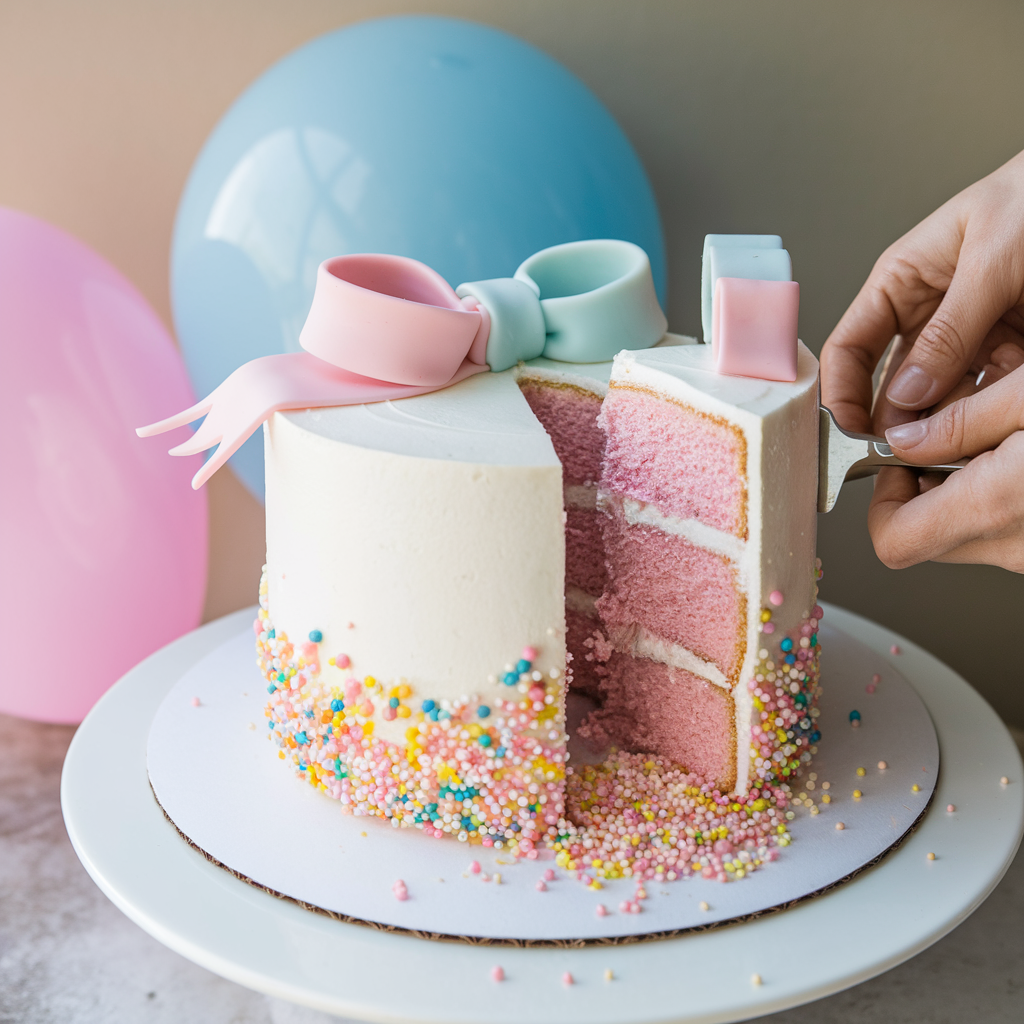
pixel 68 956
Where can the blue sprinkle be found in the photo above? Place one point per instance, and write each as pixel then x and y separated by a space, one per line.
pixel 510 678
pixel 485 740
pixel 393 703
pixel 500 752
pixel 272 634
pixel 308 714
pixel 301 737
pixel 428 706
pixel 315 635
pixel 787 644
pixel 815 736
pixel 814 639
pixel 522 665
pixel 271 723
pixel 329 731
pixel 271 688
pixel 484 711
pixel 302 767
pixel 790 659
pixel 337 705
pixel 854 716
pixel 443 714
pixel 433 715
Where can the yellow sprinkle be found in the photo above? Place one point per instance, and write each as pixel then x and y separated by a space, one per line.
pixel 608 975
pixel 826 799
pixel 369 681
pixel 755 979
pixel 931 856
pixel 857 794
pixel 915 788
pixel 861 771
pixel 766 616
pixel 403 711
pixel 704 906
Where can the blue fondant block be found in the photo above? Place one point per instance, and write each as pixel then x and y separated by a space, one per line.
pixel 766 269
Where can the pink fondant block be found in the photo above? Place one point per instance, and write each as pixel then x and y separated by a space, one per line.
pixel 754 328
pixel 677 591
pixel 569 415
pixel 687 464
pixel 584 550
pixel 648 707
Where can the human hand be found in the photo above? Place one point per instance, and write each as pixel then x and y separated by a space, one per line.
pixel 952 289
pixel 975 514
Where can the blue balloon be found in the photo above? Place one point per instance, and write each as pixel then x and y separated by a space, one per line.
pixel 429 137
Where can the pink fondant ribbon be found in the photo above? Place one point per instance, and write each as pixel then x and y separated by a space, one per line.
pixel 386 327
pixel 380 327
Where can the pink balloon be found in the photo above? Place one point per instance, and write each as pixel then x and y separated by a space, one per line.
pixel 103 541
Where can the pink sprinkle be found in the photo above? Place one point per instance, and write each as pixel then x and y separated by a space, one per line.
pixel 342 660
pixel 817 612
pixel 474 866
pixel 497 974
pixel 567 979
pixel 768 627
pixel 950 808
pixel 895 649
pixel 876 679
pixel 776 598
pixel 400 891
pixel 532 855
pixel 624 907
pixel 351 625
pixel 529 653
pixel 549 875
pixel 257 626
pixel 540 886
pixel 870 688
pixel 602 910
pixel 390 714
pixel 366 708
pixel 195 702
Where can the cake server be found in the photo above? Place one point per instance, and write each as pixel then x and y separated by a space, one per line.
pixel 846 456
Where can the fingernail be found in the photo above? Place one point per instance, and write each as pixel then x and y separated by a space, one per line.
pixel 907 435
pixel 911 387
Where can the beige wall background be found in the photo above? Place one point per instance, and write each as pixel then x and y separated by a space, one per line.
pixel 838 125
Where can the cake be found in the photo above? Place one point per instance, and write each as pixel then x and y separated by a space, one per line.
pixel 443 568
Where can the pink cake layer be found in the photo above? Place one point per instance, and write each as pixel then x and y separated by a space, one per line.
pixel 681 593
pixel 584 550
pixel 687 463
pixel 656 709
pixel 569 415
pixel 580 628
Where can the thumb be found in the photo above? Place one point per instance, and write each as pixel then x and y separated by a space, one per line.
pixel 978 295
pixel 968 427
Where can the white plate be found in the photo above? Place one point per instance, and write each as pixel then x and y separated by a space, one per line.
pixel 218 778
pixel 883 917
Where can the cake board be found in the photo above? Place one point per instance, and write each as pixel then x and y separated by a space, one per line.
pixel 881 918
pixel 218 779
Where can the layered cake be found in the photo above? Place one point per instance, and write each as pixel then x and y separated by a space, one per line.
pixel 443 568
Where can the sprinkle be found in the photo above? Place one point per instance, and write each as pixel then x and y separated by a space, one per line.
pixel 529 654
pixel 474 867
pixel 704 905
pixel 861 772
pixel 882 765
pixel 876 679
pixel 399 889
pixel 776 598
pixel 315 636
pixel 195 702
pixel 840 826
pixel 931 856
pixel 609 975
pixel 567 979
pixel 950 808
pixel 895 649
pixel 915 788
pixel 857 794
pixel 540 886
pixel 870 688
pixel 601 910
pixel 497 974
pixel 1004 781
pixel 252 726
pixel 549 875
pixel 855 718
pixel 497 878
pixel 755 979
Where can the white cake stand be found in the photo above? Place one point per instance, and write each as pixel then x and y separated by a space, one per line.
pixel 883 917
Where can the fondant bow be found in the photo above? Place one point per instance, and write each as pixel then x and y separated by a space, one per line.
pixel 384 327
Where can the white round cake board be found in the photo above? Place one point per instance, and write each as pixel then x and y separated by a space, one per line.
pixel 855 931
pixel 218 778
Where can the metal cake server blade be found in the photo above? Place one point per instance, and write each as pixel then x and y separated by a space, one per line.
pixel 846 456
